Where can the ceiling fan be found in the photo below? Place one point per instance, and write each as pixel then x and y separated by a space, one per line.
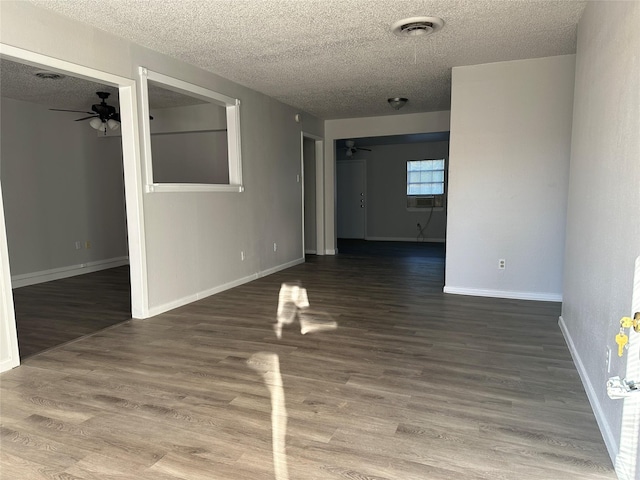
pixel 351 148
pixel 102 115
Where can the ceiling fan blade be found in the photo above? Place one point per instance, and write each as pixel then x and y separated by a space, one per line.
pixel 86 118
pixel 367 149
pixel 64 110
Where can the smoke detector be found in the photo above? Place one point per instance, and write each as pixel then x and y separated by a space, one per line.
pixel 417 26
pixel 46 75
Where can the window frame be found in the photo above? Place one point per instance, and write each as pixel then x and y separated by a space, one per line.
pixel 234 154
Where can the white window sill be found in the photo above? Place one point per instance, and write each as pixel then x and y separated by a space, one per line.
pixel 191 187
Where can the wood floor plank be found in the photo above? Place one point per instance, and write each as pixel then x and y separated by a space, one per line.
pixel 412 384
pixel 52 313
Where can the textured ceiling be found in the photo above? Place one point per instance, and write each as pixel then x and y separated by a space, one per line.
pixel 18 81
pixel 337 59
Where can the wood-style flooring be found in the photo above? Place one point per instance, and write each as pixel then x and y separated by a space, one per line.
pixel 52 313
pixel 412 385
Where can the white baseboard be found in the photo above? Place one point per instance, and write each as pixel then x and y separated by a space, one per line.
pixel 34 278
pixel 609 439
pixel 165 307
pixel 180 302
pixel 9 364
pixel 331 251
pixel 278 268
pixel 477 292
pixel 405 239
pixel 310 252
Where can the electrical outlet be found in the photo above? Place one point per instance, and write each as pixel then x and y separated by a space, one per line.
pixel 87 244
pixel 78 245
pixel 275 247
pixel 502 264
pixel 608 360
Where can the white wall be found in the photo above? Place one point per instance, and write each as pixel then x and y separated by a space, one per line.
pixel 508 176
pixel 427 122
pixel 193 240
pixel 603 228
pixel 387 215
pixel 62 183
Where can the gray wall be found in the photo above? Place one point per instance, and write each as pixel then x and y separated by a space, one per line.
pixel 189 144
pixel 603 229
pixel 61 183
pixel 194 239
pixel 190 157
pixel 387 215
pixel 508 176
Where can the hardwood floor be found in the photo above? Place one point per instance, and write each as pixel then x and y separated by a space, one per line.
pixel 50 314
pixel 412 385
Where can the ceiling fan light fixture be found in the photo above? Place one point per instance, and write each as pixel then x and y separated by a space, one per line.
pixel 397 102
pixel 97 124
pixel 417 26
pixel 113 124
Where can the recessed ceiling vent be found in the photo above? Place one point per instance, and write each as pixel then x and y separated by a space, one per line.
pixel 417 26
pixel 46 75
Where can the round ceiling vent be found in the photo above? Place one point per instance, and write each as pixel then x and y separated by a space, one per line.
pixel 44 74
pixel 416 26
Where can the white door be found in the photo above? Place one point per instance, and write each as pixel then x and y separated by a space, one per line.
pixel 352 204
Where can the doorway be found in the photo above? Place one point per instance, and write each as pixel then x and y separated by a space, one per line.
pixel 133 195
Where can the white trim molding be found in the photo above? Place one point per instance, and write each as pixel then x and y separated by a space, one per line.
pixel 478 292
pixel 609 438
pixel 200 295
pixel 157 310
pixel 279 268
pixel 9 354
pixel 234 150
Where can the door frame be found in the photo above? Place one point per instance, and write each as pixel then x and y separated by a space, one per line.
pixel 132 187
pixel 319 164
